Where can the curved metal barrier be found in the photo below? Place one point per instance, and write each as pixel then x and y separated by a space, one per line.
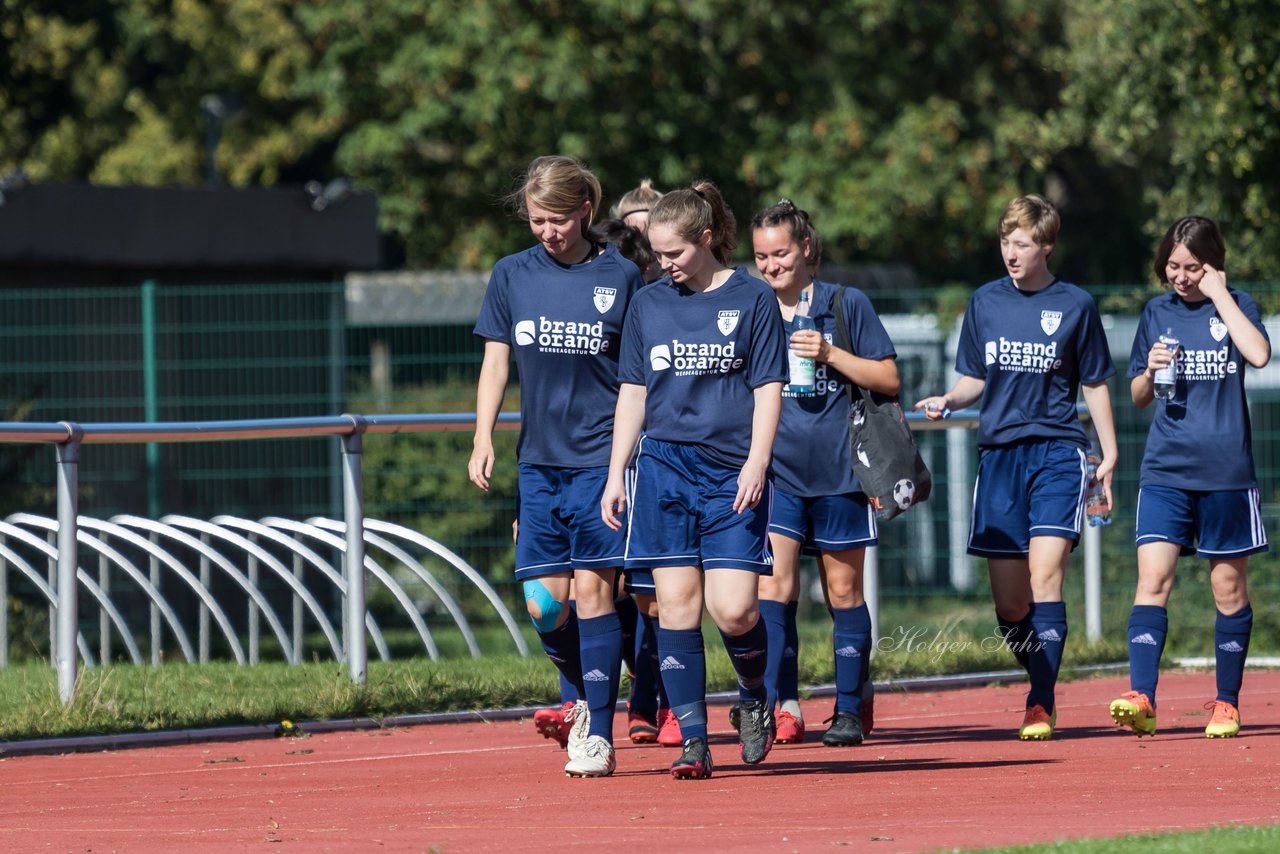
pixel 232 549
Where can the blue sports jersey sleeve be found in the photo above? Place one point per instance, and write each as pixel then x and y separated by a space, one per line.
pixel 564 325
pixel 1202 439
pixel 811 452
pixel 494 322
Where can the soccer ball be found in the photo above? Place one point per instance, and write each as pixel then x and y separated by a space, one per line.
pixel 904 492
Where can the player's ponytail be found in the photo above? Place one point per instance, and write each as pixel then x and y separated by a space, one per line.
pixel 695 210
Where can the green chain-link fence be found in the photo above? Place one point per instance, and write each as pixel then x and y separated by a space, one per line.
pixel 156 352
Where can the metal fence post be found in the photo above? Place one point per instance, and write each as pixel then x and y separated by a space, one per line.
pixel 68 455
pixel 353 559
pixel 871 592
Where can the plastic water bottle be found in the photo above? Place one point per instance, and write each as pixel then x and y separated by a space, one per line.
pixel 1096 508
pixel 803 370
pixel 1167 377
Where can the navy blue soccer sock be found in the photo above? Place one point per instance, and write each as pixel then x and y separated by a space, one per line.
pixel 1018 637
pixel 774 616
pixel 1231 647
pixel 684 672
pixel 628 617
pixel 601 663
pixel 562 646
pixel 851 640
pixel 1049 625
pixel 1148 627
pixel 788 685
pixel 748 653
pixel 568 693
pixel 646 685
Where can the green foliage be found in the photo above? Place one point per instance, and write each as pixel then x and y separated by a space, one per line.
pixel 903 126
pixel 421 481
pixel 1185 105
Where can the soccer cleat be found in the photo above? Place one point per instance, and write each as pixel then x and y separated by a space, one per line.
pixel 845 730
pixel 1037 724
pixel 551 723
pixel 868 707
pixel 641 728
pixel 579 718
pixel 735 716
pixel 1134 711
pixel 668 729
pixel 596 759
pixel 694 762
pixel 755 738
pixel 790 729
pixel 1225 721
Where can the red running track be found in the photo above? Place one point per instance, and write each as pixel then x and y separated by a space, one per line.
pixel 943 770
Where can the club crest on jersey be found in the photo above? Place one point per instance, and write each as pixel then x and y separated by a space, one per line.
pixel 727 321
pixel 1050 321
pixel 1217 328
pixel 604 299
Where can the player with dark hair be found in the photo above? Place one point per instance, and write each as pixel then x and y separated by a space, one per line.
pixel 818 503
pixel 1198 490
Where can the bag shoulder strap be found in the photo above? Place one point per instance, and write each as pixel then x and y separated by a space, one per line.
pixel 844 343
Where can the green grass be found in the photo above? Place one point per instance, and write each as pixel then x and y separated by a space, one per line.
pixel 920 636
pixel 1222 840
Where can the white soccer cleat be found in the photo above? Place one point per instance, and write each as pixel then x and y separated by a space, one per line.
pixel 596 759
pixel 580 717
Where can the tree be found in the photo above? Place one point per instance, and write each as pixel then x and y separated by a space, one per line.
pixel 1185 106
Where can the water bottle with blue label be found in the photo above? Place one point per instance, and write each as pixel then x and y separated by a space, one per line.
pixel 803 370
pixel 1166 379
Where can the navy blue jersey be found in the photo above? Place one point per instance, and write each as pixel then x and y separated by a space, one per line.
pixel 811 453
pixel 1034 350
pixel 700 356
pixel 1201 439
pixel 564 325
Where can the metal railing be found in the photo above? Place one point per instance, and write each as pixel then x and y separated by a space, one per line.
pixel 348 537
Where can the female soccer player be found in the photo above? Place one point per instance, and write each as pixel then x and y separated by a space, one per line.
pixel 702 367
pixel 1029 343
pixel 560 306
pixel 1198 491
pixel 634 206
pixel 817 502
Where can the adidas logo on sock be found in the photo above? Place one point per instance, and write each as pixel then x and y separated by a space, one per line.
pixel 789 652
pixel 595 676
pixel 1050 635
pixel 1144 638
pixel 670 663
pixel 1230 646
pixel 848 652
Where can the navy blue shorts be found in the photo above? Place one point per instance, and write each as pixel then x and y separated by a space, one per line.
pixel 1220 524
pixel 829 522
pixel 682 514
pixel 560 524
pixel 639 581
pixel 1031 489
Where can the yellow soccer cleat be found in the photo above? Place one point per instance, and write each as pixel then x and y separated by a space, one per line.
pixel 1134 711
pixel 1224 722
pixel 1037 724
